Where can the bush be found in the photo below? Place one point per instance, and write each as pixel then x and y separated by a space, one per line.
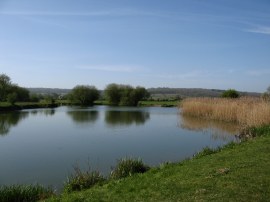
pixel 84 95
pixel 82 180
pixel 18 193
pixel 128 167
pixel 231 93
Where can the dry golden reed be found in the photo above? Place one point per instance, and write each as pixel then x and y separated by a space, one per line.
pixel 247 111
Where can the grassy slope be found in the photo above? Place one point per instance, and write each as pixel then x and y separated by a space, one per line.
pixel 238 173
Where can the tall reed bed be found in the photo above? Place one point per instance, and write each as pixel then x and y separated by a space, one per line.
pixel 247 111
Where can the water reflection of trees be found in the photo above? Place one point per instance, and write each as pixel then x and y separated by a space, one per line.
pixel 83 116
pixel 7 120
pixel 115 118
pixel 218 129
pixel 46 112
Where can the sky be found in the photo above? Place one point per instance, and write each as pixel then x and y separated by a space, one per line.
pixel 214 44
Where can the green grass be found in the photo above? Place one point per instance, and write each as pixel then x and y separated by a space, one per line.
pixel 237 172
pixel 127 167
pixel 159 103
pixel 81 180
pixel 101 102
pixel 5 106
pixel 25 105
pixel 21 193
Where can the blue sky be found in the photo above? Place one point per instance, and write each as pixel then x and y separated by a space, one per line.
pixel 216 44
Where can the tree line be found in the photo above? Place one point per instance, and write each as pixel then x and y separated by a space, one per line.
pixel 12 92
pixel 114 94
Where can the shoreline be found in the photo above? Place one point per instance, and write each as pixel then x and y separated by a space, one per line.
pixel 22 106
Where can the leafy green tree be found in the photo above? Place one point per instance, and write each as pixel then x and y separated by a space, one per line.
pixel 12 98
pixel 231 93
pixel 126 92
pixel 5 84
pixel 139 93
pixel 113 94
pixel 84 94
pixel 22 93
pixel 8 90
pixel 125 95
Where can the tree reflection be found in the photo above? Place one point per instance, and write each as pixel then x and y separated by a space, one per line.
pixel 83 116
pixel 126 117
pixel 218 129
pixel 7 120
pixel 49 112
pixel 46 112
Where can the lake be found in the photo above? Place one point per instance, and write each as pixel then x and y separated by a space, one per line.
pixel 43 145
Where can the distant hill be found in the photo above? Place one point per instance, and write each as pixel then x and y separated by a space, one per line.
pixel 49 91
pixel 156 93
pixel 191 92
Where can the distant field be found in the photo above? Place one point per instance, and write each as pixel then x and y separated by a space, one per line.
pixel 159 103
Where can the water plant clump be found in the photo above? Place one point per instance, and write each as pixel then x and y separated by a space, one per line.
pixel 81 180
pixel 22 193
pixel 128 167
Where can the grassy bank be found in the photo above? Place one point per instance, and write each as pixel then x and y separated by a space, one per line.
pixel 238 172
pixel 146 103
pixel 245 111
pixel 4 106
pixel 25 105
pixel 159 103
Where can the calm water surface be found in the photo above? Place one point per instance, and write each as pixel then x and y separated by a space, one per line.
pixel 43 145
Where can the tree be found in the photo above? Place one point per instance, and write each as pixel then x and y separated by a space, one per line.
pixel 231 93
pixel 113 94
pixel 268 90
pixel 140 93
pixel 12 98
pixel 84 94
pixel 126 92
pixel 8 90
pixel 22 93
pixel 5 84
pixel 125 95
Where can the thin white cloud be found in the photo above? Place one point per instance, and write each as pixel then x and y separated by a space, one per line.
pixel 111 68
pixel 259 30
pixel 122 12
pixel 259 72
pixel 185 75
